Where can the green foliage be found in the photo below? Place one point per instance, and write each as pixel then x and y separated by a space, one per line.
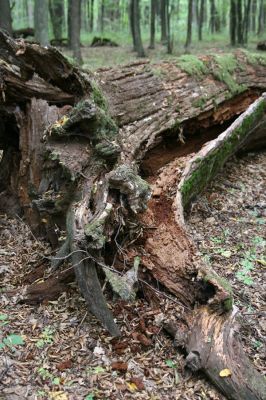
pixel 170 363
pixel 11 341
pixel 46 337
pixel 4 319
pixel 192 65
pixel 45 374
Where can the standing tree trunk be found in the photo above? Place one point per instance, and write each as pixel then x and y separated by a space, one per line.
pixel 253 16
pixel 152 24
pixel 240 37
pixel 5 16
pixel 246 21
pixel 75 22
pixel 163 22
pixel 189 25
pixel 201 18
pixel 136 28
pixel 91 14
pixel 41 21
pixel 132 24
pixel 168 28
pixel 56 8
pixel 233 22
pixel 102 16
pixel 261 18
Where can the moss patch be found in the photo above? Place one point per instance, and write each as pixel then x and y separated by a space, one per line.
pixel 98 97
pixel 192 65
pixel 255 58
pixel 206 168
pixel 225 66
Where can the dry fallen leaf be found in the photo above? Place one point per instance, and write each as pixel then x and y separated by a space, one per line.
pixel 224 373
pixel 58 395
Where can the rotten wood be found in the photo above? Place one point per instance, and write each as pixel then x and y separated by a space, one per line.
pixel 84 179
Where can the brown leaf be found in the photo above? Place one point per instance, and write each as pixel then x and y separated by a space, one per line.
pixel 64 365
pixel 138 382
pixel 119 366
pixel 143 339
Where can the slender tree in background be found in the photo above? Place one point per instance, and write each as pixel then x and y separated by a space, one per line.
pixel 102 16
pixel 201 18
pixel 91 14
pixel 261 17
pixel 240 38
pixel 135 15
pixel 246 21
pixel 56 9
pixel 189 25
pixel 75 23
pixel 152 24
pixel 233 22
pixel 163 22
pixel 41 21
pixel 132 24
pixel 214 18
pixel 253 15
pixel 5 16
pixel 168 28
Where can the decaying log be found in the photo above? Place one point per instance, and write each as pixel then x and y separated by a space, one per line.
pixel 82 160
pixel 213 347
pixel 210 159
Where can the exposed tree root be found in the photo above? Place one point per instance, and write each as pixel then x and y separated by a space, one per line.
pixel 83 183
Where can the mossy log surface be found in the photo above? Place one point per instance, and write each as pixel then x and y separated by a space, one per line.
pixel 78 157
pixel 203 167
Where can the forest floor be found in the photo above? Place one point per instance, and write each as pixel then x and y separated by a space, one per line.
pixel 101 57
pixel 57 350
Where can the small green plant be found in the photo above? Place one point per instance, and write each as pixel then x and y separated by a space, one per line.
pixel 247 266
pixel 89 396
pixel 46 337
pixel 4 319
pixel 170 363
pixel 11 341
pixel 47 375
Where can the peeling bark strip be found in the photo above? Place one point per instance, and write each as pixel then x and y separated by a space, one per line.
pixel 210 159
pixel 75 169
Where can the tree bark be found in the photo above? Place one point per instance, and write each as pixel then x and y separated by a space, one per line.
pixel 201 18
pixel 136 29
pixel 75 24
pixel 163 22
pixel 5 16
pixel 77 168
pixel 41 21
pixel 56 9
pixel 152 24
pixel 189 25
pixel 233 22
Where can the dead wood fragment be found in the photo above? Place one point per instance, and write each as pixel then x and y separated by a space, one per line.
pixel 88 189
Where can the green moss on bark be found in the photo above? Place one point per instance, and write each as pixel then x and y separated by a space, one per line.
pixel 205 169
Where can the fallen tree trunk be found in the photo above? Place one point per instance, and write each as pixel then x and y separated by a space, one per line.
pixel 81 149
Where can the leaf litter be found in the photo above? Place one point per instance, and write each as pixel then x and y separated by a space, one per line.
pixel 63 353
